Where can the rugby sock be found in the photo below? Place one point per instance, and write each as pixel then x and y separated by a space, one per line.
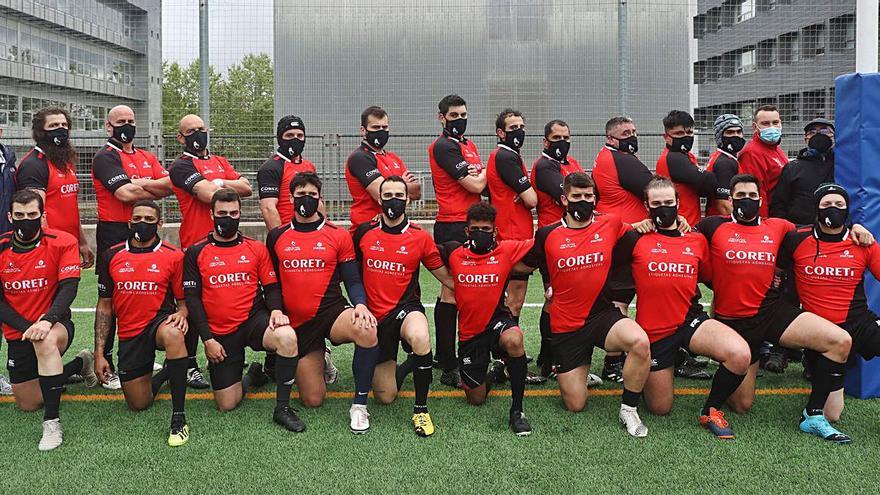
pixel 630 398
pixel 177 380
pixel 516 319
pixel 827 377
pixel 158 379
pixel 191 339
pixel 422 376
pixel 544 325
pixel 269 363
pixel 517 368
pixel 363 364
pixel 609 360
pixel 724 384
pixel 285 372
pixel 51 386
pixel 445 315
pixel 73 367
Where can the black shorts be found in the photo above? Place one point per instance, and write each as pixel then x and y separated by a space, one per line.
pixel 575 349
pixel 521 276
pixel 108 234
pixel 768 324
pixel 250 334
pixel 663 351
pixel 449 231
pixel 623 289
pixel 475 354
pixel 21 360
pixel 388 331
pixel 865 333
pixel 310 335
pixel 135 356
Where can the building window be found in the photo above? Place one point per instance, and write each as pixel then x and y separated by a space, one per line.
pixel 745 61
pixel 843 33
pixel 29 107
pixel 813 40
pixel 746 10
pixel 120 71
pixel 41 51
pixel 8 110
pixel 768 55
pixel 814 104
pixel 9 42
pixel 712 69
pixel 767 5
pixel 699 26
pixel 729 64
pixel 790 107
pixel 86 63
pixel 87 117
pixel 713 20
pixel 729 13
pixel 789 48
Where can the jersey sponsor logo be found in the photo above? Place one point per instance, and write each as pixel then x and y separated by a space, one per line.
pixel 695 323
pixel 243 260
pixel 387 266
pixel 523 179
pixel 596 238
pixel 69 268
pixel 654 363
pixel 192 178
pixel 69 188
pixel 229 278
pixel 153 268
pixel 402 250
pixel 271 189
pixel 687 251
pixel 581 261
pixel 307 263
pixel 737 239
pixel 25 285
pixel 137 286
pixel 759 256
pixel 377 247
pixel 846 254
pixel 11 268
pixel 116 178
pixel 567 244
pixel 101 287
pixel 292 247
pixel 830 271
pixel 217 262
pixel 189 284
pixel 40 265
pixel 126 268
pixel 319 246
pixel 478 278
pixel 671 268
pixel 460 165
pixel 659 249
pixel 767 240
pixel 492 261
pixel 371 173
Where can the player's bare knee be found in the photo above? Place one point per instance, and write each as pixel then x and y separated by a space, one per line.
pixel 286 341
pixel 46 347
pixel 738 361
pixel 640 347
pixel 574 404
pixel 741 406
pixel 659 407
pixel 841 343
pixel 420 343
pixel 138 404
pixel 29 405
pixel 365 338
pixel 312 399
pixel 512 342
pixel 475 397
pixel 384 397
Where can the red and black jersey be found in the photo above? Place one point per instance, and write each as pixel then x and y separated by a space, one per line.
pixel 143 282
pixel 113 168
pixel 621 179
pixel 724 166
pixel 60 186
pixel 546 179
pixel 228 277
pixel 273 181
pixel 480 283
pixel 506 177
pixel 743 262
pixel 829 272
pixel 666 267
pixel 307 265
pixel 187 171
pixel 764 161
pixel 363 167
pixel 450 159
pixel 691 182
pixel 30 277
pixel 389 259
pixel 580 263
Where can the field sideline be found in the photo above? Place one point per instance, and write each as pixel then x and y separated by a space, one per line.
pixel 108 449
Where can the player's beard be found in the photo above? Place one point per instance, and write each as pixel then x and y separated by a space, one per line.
pixel 60 156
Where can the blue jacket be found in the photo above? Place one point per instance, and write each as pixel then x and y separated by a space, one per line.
pixel 7 185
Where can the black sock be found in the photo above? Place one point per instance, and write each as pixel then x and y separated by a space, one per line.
pixel 827 377
pixel 516 319
pixel 269 361
pixel 630 398
pixel 158 379
pixel 517 368
pixel 422 376
pixel 544 356
pixel 191 339
pixel 177 380
pixel 285 372
pixel 724 384
pixel 609 360
pixel 363 364
pixel 73 367
pixel 445 315
pixel 51 386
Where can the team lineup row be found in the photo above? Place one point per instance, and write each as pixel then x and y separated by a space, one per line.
pixel 286 296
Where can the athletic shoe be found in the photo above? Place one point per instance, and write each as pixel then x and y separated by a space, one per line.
pixel 533 379
pixel 547 369
pixel 88 369
pixel 451 378
pixel 286 417
pixel 112 382
pixel 629 418
pixel 258 378
pixel 53 435
pixel 593 380
pixel 157 367
pixel 613 372
pixel 716 423
pixel 179 433
pixel 519 425
pixel 774 362
pixel 331 372
pixel 498 373
pixel 818 425
pixel 686 370
pixel 360 419
pixel 196 380
pixel 423 425
pixel 74 378
pixel 5 386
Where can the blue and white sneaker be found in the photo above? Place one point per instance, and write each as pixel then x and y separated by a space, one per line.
pixel 818 425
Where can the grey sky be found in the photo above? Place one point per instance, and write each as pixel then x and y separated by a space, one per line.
pixel 237 28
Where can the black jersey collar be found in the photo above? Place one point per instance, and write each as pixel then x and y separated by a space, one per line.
pixel 753 223
pixel 508 148
pixel 196 157
pixel 308 227
pixel 822 236
pixel 288 160
pixel 116 145
pixel 238 239
pixel 669 232
pixel 152 248
pixel 565 224
pixel 457 140
pixel 397 229
pixel 26 247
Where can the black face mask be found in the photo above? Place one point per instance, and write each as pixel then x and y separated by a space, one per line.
pixel 306 206
pixel 394 208
pixel 56 137
pixel 581 211
pixel 124 133
pixel 291 147
pixel 821 143
pixel 732 144
pixel 481 242
pixel 514 139
pixel 225 226
pixel 143 231
pixel 377 139
pixel 196 142
pixel 745 209
pixel 664 217
pixel 456 128
pixel 558 150
pixel 682 144
pixel 833 217
pixel 629 145
pixel 26 229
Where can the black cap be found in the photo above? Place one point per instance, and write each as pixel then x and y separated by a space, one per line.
pixel 289 122
pixel 830 188
pixel 817 122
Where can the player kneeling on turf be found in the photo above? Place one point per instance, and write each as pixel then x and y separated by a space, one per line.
pixel 138 282
pixel 234 301
pixel 389 252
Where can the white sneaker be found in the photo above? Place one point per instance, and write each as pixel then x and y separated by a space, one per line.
pixel 53 435
pixel 360 419
pixel 112 382
pixel 629 418
pixel 331 372
pixel 157 367
pixel 5 386
pixel 593 381
pixel 90 379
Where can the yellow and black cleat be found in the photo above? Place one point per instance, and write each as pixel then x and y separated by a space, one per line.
pixel 179 435
pixel 423 425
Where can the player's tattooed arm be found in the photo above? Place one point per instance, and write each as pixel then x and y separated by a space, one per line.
pixel 103 325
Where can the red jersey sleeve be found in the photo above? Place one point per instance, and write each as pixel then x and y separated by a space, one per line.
pixel 177 276
pixel 265 268
pixel 68 257
pixel 517 250
pixel 430 254
pixel 345 251
pixel 874 260
pixel 705 274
